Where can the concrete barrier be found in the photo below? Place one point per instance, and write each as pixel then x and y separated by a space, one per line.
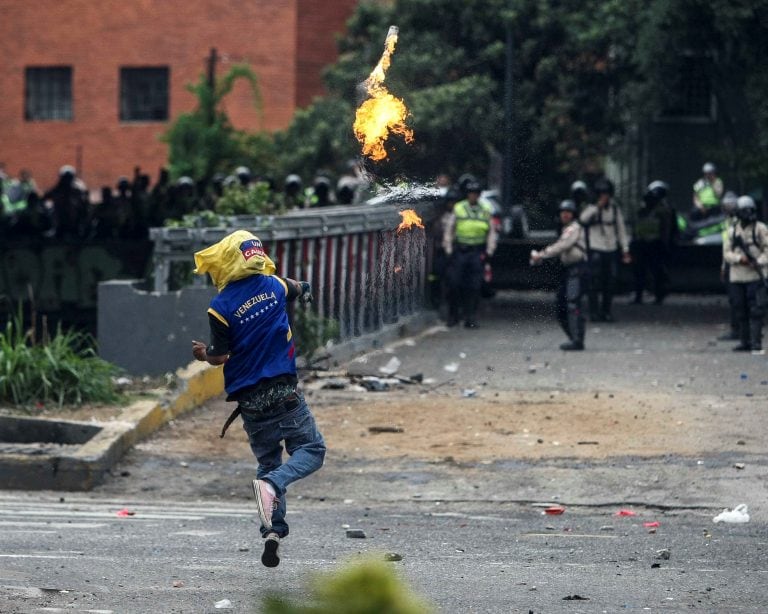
pixel 364 274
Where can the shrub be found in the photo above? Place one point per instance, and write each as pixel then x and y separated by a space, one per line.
pixel 255 200
pixel 64 370
pixel 312 331
pixel 362 587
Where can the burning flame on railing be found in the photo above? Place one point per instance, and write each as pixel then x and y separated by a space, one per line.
pixel 381 113
pixel 410 219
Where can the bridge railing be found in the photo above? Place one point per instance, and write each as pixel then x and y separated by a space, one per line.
pixel 363 271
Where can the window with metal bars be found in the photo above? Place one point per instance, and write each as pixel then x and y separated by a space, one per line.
pixel 691 94
pixel 48 93
pixel 144 94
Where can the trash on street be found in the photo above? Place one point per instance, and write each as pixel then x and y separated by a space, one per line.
pixel 738 515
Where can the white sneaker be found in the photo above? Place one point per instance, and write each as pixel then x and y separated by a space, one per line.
pixel 266 500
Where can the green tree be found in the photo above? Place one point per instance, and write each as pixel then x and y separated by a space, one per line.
pixel 731 36
pixel 449 67
pixel 203 141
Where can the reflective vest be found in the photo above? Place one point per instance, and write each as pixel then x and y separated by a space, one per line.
pixel 472 223
pixel 706 193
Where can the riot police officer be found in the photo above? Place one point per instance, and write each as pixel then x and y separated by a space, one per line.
pixel 607 239
pixel 746 251
pixel 571 248
pixel 653 242
pixel 469 238
pixel 707 192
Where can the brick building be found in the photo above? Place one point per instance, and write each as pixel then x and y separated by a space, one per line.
pixel 94 84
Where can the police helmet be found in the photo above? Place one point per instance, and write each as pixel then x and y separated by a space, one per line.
pixel 67 170
pixel 472 186
pixel 603 186
pixel 293 181
pixel 708 168
pixel 578 187
pixel 659 189
pixel 567 205
pixel 745 208
pixel 185 181
pixel 465 180
pixel 243 173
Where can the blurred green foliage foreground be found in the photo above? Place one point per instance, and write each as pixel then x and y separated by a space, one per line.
pixel 364 586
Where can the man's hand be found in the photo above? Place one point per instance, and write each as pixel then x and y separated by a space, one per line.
pixel 535 258
pixel 626 258
pixel 306 293
pixel 199 350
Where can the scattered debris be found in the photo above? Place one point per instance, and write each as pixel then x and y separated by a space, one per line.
pixel 374 384
pixel 738 515
pixel 655 565
pixel 125 512
pixel 588 443
pixel 663 554
pixel 468 393
pixel 335 383
pixel 451 367
pixel 184 464
pixel 741 442
pixel 356 534
pixel 243 549
pixel 652 525
pixel 607 527
pixel 391 367
pixel 385 429
pixel 177 584
pixel 625 513
pixel 575 598
pixel 554 510
pixel 224 604
pixel 739 465
pixel 393 556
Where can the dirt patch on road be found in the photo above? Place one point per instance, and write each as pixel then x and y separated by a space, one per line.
pixel 492 426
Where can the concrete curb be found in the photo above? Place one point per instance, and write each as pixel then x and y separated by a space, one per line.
pixel 81 467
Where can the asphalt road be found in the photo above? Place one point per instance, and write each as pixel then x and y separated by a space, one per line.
pixel 472 537
pixel 471 557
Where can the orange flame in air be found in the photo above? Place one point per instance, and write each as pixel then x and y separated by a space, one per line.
pixel 381 113
pixel 410 219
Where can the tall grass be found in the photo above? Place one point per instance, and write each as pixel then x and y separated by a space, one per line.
pixel 64 370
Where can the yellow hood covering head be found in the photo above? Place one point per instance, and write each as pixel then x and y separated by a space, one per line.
pixel 236 256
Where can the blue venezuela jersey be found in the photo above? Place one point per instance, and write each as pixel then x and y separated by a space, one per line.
pixel 261 342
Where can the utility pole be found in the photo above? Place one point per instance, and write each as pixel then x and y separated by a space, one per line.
pixel 506 175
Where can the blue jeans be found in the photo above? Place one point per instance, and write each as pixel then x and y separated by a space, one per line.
pixel 297 431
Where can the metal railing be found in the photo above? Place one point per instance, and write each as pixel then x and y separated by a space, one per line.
pixel 364 274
